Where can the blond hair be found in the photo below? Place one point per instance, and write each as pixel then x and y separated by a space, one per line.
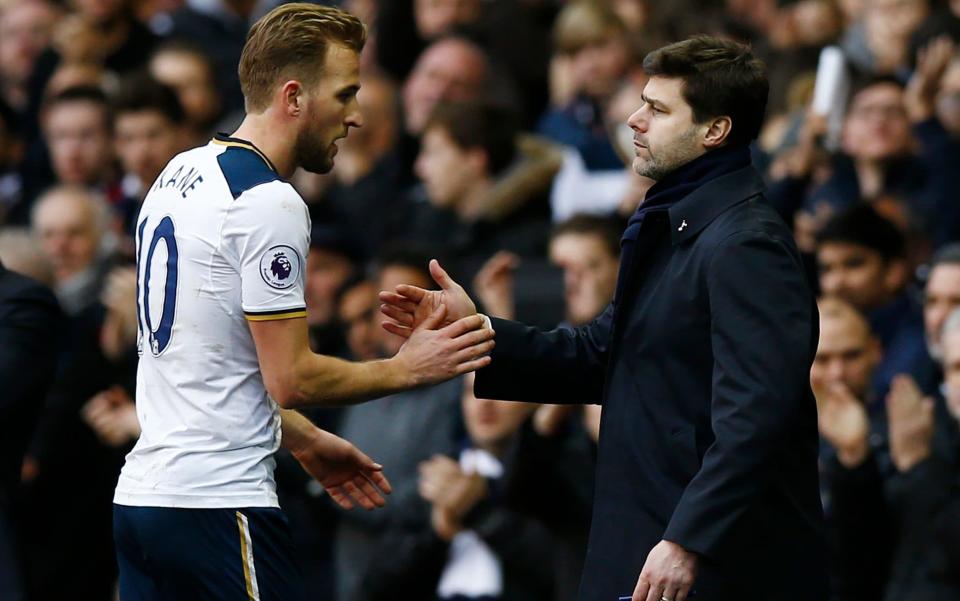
pixel 291 42
pixel 584 23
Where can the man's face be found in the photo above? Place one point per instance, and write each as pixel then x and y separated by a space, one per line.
pixel 146 141
pixel 847 354
pixel 855 274
pixel 589 274
pixel 876 127
pixel 448 71
pixel 101 11
pixel 941 297
pixel 359 316
pixel 25 29
pixel 67 233
pixel 330 109
pixel 951 371
pixel 664 134
pixel 326 272
pixel 444 168
pixel 79 142
pixel 490 423
pixel 597 68
pixel 193 82
pixel 435 18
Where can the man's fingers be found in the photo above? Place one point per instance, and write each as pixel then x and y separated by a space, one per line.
pixel 441 277
pixel 398 315
pixel 643 588
pixel 393 328
pixel 670 591
pixel 400 302
pixel 340 498
pixel 435 319
pixel 469 366
pixel 472 352
pixel 473 337
pixel 380 480
pixel 463 325
pixel 367 488
pixel 357 495
pixel 413 293
pixel 655 593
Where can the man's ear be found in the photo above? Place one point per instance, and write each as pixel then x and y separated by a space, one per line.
pixel 291 96
pixel 718 130
pixel 896 276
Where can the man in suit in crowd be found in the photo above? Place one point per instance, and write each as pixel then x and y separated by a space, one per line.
pixel 707 467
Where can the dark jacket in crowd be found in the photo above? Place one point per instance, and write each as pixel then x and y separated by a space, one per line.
pixel 709 429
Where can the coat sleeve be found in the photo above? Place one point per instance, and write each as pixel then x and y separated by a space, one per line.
pixel 560 366
pixel 763 339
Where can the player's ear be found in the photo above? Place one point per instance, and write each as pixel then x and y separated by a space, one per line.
pixel 291 97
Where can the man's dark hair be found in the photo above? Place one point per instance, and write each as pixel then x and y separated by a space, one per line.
pixel 861 225
pixel 860 84
pixel 720 78
pixel 141 92
pixel 607 229
pixel 482 125
pixel 947 255
pixel 90 94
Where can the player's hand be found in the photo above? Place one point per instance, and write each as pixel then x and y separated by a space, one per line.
pixel 432 355
pixel 843 423
pixel 668 573
pixel 910 416
pixel 346 473
pixel 409 306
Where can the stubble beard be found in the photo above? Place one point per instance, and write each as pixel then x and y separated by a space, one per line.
pixel 667 160
pixel 311 155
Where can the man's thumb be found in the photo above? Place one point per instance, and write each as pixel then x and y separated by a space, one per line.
pixel 435 319
pixel 440 276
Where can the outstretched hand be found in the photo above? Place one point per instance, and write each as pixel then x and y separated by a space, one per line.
pixel 347 474
pixel 407 307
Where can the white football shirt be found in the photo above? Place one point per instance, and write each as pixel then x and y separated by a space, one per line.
pixel 221 239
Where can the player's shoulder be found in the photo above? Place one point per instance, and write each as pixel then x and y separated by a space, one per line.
pixel 247 171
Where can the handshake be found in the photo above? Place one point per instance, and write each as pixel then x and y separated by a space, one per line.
pixel 445 336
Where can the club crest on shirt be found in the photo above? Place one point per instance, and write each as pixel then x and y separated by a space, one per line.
pixel 280 267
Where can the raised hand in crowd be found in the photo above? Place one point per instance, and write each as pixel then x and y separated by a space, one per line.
pixel 843 423
pixel 921 92
pixel 452 492
pixel 494 284
pixel 910 416
pixel 112 415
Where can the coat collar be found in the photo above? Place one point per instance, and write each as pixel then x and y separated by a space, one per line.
pixel 694 212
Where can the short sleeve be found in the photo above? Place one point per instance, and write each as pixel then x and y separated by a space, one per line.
pixel 268 231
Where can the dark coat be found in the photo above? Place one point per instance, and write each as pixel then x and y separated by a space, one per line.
pixel 709 430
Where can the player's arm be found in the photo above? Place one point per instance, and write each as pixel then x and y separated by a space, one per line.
pixel 295 376
pixel 347 474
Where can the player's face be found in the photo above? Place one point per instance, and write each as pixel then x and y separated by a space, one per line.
pixel 330 110
pixel 664 134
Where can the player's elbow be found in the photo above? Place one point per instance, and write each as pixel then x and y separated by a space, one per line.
pixel 285 391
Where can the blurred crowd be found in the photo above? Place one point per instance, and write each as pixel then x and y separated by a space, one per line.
pixel 494 139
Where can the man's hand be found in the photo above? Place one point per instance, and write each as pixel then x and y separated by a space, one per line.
pixel 494 284
pixel 668 573
pixel 444 484
pixel 346 473
pixel 433 355
pixel 409 306
pixel 843 424
pixel 921 92
pixel 910 417
pixel 112 416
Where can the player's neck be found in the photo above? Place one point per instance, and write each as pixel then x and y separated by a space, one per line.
pixel 262 133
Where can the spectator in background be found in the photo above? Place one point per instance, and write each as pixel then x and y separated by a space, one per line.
pixel 192 75
pixel 20 251
pixel 149 129
pixel 77 129
pixel 948 97
pixel 357 313
pixel 11 151
pixel 593 56
pixel 71 224
pixel 941 297
pixel 29 330
pixel 408 427
pixel 332 259
pixel 892 145
pixel 25 30
pixel 478 546
pixel 861 257
pixel 467 148
pixel 847 355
